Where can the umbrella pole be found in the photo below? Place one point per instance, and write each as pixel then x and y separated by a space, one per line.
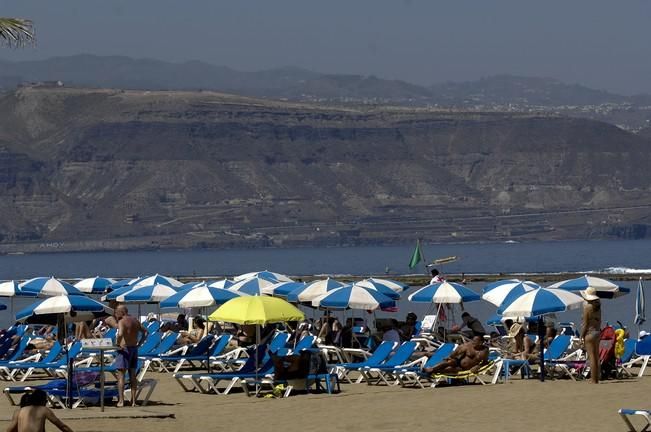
pixel 541 340
pixel 208 350
pixel 436 321
pixel 257 356
pixel 62 336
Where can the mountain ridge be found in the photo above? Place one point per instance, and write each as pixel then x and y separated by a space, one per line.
pixel 106 169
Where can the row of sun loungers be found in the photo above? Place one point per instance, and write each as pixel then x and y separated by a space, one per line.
pixel 388 364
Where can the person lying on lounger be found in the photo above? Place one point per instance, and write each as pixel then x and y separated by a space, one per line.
pixel 470 356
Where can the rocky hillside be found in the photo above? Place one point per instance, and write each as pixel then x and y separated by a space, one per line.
pixel 104 169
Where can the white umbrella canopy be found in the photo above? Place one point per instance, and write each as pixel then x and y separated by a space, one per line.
pixel 94 285
pixel 12 289
pixel 157 279
pixel 265 274
pixel 224 283
pixel 540 302
pixel 199 296
pixel 313 289
pixel 443 292
pixel 505 291
pixel 147 294
pixel 71 308
pixel 251 286
pixel 604 288
pixel 48 286
pixel 353 297
pixel 391 284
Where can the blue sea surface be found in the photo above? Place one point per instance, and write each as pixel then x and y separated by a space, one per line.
pixel 488 258
pixel 535 257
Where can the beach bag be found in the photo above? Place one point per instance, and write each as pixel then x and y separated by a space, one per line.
pixel 290 367
pixel 317 362
pixel 607 352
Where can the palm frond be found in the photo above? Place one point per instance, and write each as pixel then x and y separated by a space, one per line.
pixel 16 32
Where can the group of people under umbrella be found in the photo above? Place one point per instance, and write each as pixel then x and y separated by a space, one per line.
pixel 262 297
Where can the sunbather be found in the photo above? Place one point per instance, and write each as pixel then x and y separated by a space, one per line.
pixel 470 356
pixel 40 344
pixel 193 336
pixel 31 415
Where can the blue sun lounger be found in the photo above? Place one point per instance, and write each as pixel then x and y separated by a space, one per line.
pixel 379 355
pixel 414 374
pixel 198 350
pixel 80 379
pixel 646 414
pixel 24 369
pixel 213 351
pixel 385 371
pixel 18 353
pixel 207 383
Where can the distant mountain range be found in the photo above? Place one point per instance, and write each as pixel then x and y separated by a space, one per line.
pixel 298 84
pixel 89 169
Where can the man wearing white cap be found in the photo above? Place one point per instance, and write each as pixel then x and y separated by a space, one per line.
pixel 591 330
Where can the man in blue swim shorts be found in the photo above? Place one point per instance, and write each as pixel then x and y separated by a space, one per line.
pixel 127 355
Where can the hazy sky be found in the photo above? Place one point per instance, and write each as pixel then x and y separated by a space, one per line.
pixel 601 43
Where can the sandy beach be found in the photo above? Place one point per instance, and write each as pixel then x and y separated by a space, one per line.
pixel 515 406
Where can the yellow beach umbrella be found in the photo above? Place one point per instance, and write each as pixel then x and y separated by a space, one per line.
pixel 256 310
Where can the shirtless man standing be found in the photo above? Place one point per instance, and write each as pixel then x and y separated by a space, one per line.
pixel 31 415
pixel 127 355
pixel 469 356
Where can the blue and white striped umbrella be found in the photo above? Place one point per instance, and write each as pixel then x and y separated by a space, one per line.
pixel 252 286
pixel 199 296
pixel 372 285
pixel 391 284
pixel 95 285
pixel 46 311
pixel 122 283
pixel 640 305
pixel 190 285
pixel 313 289
pixel 147 294
pixel 224 284
pixel 48 286
pixel 353 297
pixel 116 292
pixel 444 292
pixel 505 291
pixel 12 289
pixel 265 274
pixel 282 289
pixel 541 301
pixel 604 288
pixel 157 280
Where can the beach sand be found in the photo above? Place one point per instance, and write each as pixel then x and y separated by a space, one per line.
pixel 515 406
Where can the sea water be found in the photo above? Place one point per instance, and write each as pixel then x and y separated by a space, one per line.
pixel 486 258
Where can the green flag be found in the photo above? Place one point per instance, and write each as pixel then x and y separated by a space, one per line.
pixel 417 256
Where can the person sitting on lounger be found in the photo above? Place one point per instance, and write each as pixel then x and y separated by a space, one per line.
pixel 474 326
pixel 193 336
pixel 470 356
pixel 31 415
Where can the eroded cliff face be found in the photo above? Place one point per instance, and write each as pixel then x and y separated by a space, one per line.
pixel 86 169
